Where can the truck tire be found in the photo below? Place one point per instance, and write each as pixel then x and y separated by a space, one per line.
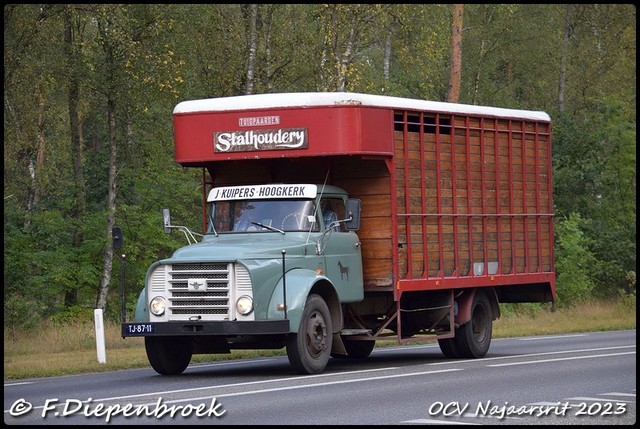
pixel 168 355
pixel 448 348
pixel 472 340
pixel 309 350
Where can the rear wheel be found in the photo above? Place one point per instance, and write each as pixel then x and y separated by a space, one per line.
pixel 309 350
pixel 448 347
pixel 168 355
pixel 473 339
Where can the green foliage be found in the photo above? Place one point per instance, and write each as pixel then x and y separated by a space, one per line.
pixel 575 264
pixel 527 309
pixel 21 312
pixel 629 300
pixel 631 285
pixel 73 315
pixel 595 177
pixel 40 266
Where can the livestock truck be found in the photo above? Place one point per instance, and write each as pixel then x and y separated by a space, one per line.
pixel 334 220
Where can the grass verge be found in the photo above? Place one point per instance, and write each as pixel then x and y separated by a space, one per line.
pixel 54 350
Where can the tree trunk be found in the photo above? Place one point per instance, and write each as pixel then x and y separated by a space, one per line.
pixel 71 296
pixel 476 83
pixel 34 169
pixel 568 31
pixel 387 62
pixel 253 47
pixel 345 61
pixel 328 46
pixel 105 281
pixel 268 31
pixel 455 68
pixel 110 59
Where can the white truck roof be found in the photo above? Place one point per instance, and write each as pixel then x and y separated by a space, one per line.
pixel 309 99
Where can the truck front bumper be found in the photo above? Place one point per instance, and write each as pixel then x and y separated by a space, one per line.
pixel 221 328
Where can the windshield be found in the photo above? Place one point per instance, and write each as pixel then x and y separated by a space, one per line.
pixel 262 215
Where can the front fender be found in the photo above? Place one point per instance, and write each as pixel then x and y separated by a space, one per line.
pixel 299 283
pixel 141 314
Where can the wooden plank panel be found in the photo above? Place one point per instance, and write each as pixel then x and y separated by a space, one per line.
pixel 484 171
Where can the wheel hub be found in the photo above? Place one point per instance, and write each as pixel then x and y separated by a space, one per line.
pixel 317 335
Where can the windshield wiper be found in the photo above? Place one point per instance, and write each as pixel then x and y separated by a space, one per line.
pixel 272 228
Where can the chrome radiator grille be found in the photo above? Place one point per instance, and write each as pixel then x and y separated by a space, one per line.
pixel 201 291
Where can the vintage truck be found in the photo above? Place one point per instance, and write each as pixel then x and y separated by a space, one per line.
pixel 333 220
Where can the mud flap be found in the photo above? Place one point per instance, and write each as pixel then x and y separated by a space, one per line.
pixel 338 346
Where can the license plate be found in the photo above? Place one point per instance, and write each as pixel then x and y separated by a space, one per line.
pixel 138 328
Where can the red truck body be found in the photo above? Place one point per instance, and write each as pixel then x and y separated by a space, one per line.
pixel 454 196
pixel 454 207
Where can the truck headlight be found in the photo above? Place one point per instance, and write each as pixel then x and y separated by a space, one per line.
pixel 157 306
pixel 244 305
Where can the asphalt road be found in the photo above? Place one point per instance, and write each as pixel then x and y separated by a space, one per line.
pixel 587 378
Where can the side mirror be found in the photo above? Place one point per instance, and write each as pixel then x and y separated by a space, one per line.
pixel 167 220
pixel 353 214
pixel 116 235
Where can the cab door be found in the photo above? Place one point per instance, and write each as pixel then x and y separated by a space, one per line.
pixel 342 253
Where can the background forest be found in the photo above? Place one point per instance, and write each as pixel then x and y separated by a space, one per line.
pixel 89 92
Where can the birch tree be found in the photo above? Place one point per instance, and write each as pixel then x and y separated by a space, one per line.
pixel 109 43
pixel 252 24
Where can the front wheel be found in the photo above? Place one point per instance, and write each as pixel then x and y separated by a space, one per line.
pixel 168 355
pixel 309 350
pixel 472 340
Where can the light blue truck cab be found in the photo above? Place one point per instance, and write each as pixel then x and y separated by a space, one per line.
pixel 274 260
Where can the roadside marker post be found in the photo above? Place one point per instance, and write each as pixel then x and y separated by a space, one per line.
pixel 100 347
